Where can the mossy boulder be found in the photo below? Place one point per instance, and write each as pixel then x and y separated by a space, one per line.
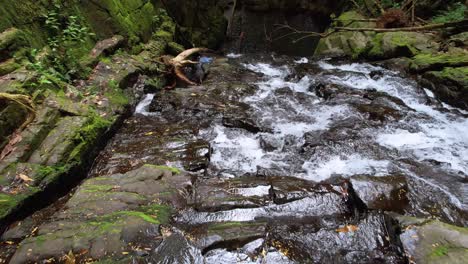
pixel 12 115
pixel 450 85
pixel 436 242
pixel 112 217
pixel 11 41
pixel 8 66
pixel 398 44
pixel 437 61
pixel 348 44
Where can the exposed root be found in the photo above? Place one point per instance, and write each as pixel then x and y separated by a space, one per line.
pixel 24 101
pixel 176 65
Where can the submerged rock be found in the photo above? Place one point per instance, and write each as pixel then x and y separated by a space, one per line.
pixel 372 239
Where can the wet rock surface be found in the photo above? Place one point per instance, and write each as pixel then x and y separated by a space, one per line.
pixel 268 161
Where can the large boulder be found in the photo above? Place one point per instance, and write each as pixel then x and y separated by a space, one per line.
pixel 109 217
pixel 450 85
pixel 437 61
pixel 346 43
pixel 398 44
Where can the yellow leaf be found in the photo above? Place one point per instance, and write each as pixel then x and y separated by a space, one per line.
pixel 125 253
pixel 149 133
pixel 70 258
pixel 347 228
pixel 25 178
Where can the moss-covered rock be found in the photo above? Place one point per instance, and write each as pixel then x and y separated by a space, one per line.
pixel 111 216
pixel 8 66
pixel 398 44
pixel 348 44
pixel 436 242
pixel 430 61
pixel 450 85
pixel 12 115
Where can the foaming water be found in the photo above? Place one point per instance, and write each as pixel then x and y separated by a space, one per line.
pixel 143 107
pixel 287 109
pixel 438 134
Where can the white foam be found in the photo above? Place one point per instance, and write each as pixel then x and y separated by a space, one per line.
pixel 440 135
pixel 234 55
pixel 240 152
pixel 302 61
pixel 143 107
pixel 353 67
pixel 268 69
pixel 319 170
pixel 262 190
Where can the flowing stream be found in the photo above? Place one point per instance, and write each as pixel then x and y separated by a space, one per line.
pixel 283 161
pixel 323 121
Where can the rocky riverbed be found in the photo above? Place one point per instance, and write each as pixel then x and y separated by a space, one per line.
pixel 270 160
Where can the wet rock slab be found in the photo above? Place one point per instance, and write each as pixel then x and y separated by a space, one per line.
pixel 109 217
pixel 369 240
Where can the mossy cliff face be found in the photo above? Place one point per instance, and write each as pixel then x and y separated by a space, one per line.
pixel 105 18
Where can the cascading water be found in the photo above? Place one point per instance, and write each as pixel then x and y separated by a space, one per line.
pixel 289 110
pixel 285 161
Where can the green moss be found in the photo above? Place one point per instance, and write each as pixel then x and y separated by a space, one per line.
pixel 87 136
pixel 376 49
pixel 116 95
pixel 98 188
pixel 458 75
pixel 161 212
pixel 427 61
pixel 106 60
pixel 9 202
pixel 8 66
pixel 174 48
pixel 47 174
pixel 439 251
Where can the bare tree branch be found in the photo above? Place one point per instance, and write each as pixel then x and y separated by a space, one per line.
pixel 294 31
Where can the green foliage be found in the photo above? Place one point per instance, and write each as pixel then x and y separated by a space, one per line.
pixel 46 75
pixel 67 41
pixel 455 12
pixel 439 251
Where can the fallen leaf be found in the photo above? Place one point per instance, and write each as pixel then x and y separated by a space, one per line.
pixel 347 228
pixel 25 178
pixel 149 133
pixel 9 148
pixel 125 253
pixel 70 258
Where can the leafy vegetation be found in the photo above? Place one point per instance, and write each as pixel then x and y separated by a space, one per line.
pixel 67 42
pixel 455 12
